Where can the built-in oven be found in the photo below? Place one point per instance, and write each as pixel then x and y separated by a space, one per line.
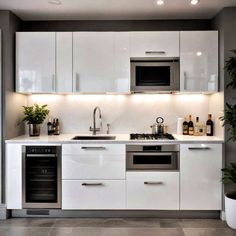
pixel 152 157
pixel 159 75
pixel 41 177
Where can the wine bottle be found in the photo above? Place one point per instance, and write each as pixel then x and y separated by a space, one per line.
pixel 197 127
pixel 49 126
pixel 190 126
pixel 185 127
pixel 209 126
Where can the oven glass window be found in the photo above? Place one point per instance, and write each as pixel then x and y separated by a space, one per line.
pixel 152 75
pixel 152 159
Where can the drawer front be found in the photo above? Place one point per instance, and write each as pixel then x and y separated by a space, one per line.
pixel 91 149
pixel 93 166
pixel 154 44
pixel 153 190
pixel 93 194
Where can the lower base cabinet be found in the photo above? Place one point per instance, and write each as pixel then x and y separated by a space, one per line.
pixel 153 190
pixel 93 194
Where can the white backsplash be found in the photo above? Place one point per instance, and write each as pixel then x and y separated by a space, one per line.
pixel 125 113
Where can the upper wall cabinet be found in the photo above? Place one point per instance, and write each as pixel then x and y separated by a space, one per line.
pixel 155 44
pixel 101 62
pixel 199 61
pixel 43 62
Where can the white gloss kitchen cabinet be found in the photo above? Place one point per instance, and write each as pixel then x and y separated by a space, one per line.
pixel 200 177
pixel 101 62
pixel 199 61
pixel 43 62
pixel 154 44
pixel 152 190
pixel 93 176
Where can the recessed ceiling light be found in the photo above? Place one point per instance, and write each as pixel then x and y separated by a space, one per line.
pixel 194 2
pixel 199 53
pixel 160 2
pixel 55 2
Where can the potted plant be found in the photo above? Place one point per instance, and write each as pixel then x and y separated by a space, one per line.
pixel 34 117
pixel 229 176
pixel 229 119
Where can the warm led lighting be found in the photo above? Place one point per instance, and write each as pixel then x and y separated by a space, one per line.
pixel 160 2
pixel 55 2
pixel 194 2
pixel 199 54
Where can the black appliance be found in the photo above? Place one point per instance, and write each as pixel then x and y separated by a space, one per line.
pixel 145 136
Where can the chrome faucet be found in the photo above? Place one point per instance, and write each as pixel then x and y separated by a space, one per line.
pixel 95 129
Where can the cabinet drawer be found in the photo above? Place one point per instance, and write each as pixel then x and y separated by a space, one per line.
pixel 93 166
pixel 153 190
pixel 91 149
pixel 154 44
pixel 93 194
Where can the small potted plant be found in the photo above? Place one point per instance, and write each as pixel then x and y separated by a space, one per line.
pixel 34 117
pixel 230 197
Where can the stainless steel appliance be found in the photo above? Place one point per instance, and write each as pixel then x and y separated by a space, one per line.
pixel 41 177
pixel 152 157
pixel 153 75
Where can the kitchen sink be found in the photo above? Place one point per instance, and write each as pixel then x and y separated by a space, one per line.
pixel 94 138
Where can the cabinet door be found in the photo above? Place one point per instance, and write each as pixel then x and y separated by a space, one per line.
pixel 153 190
pixel 14 176
pixel 200 176
pixel 122 62
pixel 93 62
pixel 63 62
pixel 155 44
pixel 105 161
pixel 199 61
pixel 93 194
pixel 35 62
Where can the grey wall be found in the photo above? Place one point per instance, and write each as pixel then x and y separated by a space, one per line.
pixel 11 103
pixel 225 22
pixel 125 25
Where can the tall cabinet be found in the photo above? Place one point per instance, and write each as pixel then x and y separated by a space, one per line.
pixel 199 61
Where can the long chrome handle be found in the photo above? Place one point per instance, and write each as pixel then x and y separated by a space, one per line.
pixel 153 183
pixel 93 148
pixel 199 148
pixel 92 184
pixel 41 155
pixel 76 82
pixel 155 52
pixel 185 80
pixel 53 83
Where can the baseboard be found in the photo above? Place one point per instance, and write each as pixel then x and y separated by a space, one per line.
pixel 4 213
pixel 116 213
pixel 222 216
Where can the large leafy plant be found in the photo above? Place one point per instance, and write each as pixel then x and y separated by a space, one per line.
pixel 230 67
pixel 229 176
pixel 35 114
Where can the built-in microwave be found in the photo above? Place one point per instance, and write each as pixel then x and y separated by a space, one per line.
pixel 159 75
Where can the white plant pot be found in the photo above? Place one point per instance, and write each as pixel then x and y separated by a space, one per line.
pixel 230 211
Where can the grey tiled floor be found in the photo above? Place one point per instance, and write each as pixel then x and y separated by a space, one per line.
pixel 114 227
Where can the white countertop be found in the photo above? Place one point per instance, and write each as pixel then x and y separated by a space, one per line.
pixel 120 138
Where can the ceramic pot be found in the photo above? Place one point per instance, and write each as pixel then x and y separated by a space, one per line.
pixel 230 210
pixel 34 129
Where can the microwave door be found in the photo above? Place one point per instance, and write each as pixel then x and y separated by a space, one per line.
pixel 153 76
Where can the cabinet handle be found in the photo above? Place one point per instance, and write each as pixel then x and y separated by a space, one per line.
pixel 53 83
pixel 199 148
pixel 185 80
pixel 76 82
pixel 155 52
pixel 153 183
pixel 92 184
pixel 93 148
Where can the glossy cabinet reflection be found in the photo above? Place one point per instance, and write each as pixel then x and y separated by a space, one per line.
pixel 199 61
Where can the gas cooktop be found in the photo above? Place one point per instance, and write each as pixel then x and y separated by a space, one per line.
pixel 136 136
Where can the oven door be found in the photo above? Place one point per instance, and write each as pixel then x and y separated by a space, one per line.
pixel 155 76
pixel 152 161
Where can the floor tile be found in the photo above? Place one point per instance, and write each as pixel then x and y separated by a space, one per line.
pixel 170 223
pixel 25 231
pixel 203 223
pixel 209 232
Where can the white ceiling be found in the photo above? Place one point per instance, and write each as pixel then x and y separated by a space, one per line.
pixel 114 9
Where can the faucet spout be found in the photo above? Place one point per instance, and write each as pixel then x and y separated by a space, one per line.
pixel 94 129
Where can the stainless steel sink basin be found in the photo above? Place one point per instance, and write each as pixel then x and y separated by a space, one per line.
pixel 94 137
